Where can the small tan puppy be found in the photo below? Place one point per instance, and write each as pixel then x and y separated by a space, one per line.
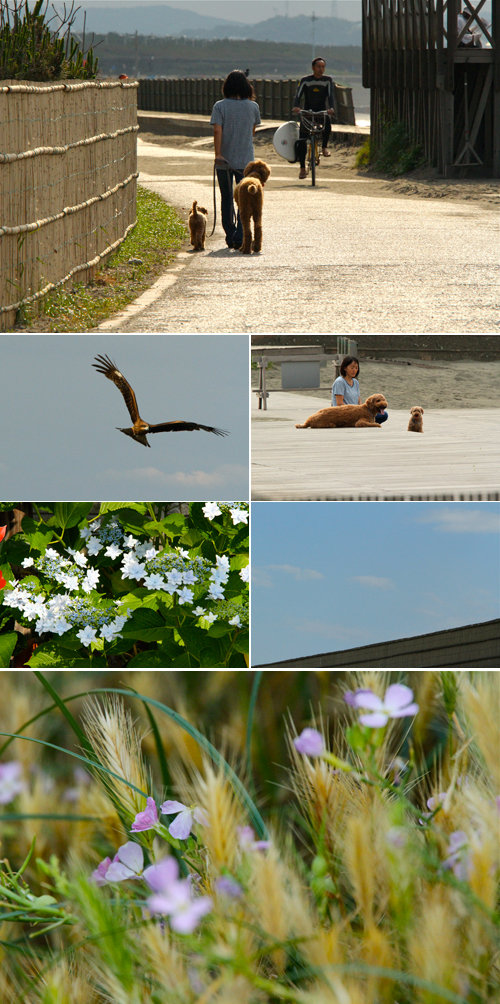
pixel 416 424
pixel 198 226
pixel 249 197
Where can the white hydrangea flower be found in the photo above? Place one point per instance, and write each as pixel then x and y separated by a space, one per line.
pixel 154 581
pixel 91 579
pixel 86 635
pixel 238 516
pixel 94 546
pixel 235 621
pixel 185 595
pixel 112 551
pixel 28 562
pixel 210 510
pixel 245 573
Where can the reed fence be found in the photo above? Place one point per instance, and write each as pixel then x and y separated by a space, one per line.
pixel 68 171
pixel 197 96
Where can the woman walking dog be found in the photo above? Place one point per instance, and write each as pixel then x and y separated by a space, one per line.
pixel 345 389
pixel 234 119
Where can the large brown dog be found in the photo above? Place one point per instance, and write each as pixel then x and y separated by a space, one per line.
pixel 249 197
pixel 359 415
pixel 416 423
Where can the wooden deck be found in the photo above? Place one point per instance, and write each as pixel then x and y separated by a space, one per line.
pixel 457 456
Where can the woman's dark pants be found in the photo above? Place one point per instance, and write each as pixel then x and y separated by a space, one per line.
pixel 231 225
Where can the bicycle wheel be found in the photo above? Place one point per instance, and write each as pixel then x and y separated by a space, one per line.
pixel 313 159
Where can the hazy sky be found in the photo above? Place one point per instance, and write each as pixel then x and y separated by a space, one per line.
pixel 328 576
pixel 60 415
pixel 249 11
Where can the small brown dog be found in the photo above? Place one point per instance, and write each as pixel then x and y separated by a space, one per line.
pixel 362 416
pixel 416 424
pixel 198 226
pixel 249 197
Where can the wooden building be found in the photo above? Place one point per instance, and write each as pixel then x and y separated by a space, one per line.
pixel 437 71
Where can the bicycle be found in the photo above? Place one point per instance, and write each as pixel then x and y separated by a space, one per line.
pixel 313 123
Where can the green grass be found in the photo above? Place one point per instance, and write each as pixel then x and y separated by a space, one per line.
pixel 158 234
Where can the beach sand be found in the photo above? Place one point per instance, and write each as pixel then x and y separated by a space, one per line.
pixel 467 383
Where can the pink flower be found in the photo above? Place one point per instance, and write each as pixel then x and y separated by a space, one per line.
pixel 310 742
pixel 128 862
pixel 99 875
pixel 186 816
pixel 3 531
pixel 148 819
pixel 174 898
pixel 161 876
pixel 178 904
pixel 10 777
pixel 397 703
pixel 247 841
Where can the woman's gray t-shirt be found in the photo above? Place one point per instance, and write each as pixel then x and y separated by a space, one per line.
pixel 350 394
pixel 237 118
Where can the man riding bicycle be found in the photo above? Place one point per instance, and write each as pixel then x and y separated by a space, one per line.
pixel 317 91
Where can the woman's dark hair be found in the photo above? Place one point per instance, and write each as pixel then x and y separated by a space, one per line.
pixel 236 85
pixel 347 360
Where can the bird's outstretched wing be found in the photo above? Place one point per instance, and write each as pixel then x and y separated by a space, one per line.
pixel 184 427
pixel 104 365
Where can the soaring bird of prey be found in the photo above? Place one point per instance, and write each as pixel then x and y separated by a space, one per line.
pixel 140 428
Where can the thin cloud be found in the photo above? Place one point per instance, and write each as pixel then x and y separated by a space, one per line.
pixel 333 632
pixel 261 577
pixel 299 574
pixel 220 476
pixel 373 581
pixel 462 520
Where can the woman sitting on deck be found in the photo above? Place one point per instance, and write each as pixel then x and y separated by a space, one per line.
pixel 345 389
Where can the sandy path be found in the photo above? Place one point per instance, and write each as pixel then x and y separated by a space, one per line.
pixel 343 257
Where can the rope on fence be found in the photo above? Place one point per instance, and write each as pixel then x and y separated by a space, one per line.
pixel 9 158
pixel 78 268
pixel 81 86
pixel 25 228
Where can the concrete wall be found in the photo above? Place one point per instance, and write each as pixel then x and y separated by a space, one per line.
pixel 475 646
pixel 408 346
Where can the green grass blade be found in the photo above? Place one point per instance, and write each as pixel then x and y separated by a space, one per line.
pixel 90 763
pixel 79 733
pixel 251 712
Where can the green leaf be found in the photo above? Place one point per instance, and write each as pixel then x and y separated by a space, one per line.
pixel 146 660
pixel 69 514
pixel 117 506
pixel 239 561
pixel 242 643
pixel 49 656
pixel 144 625
pixel 219 628
pixel 7 646
pixel 191 538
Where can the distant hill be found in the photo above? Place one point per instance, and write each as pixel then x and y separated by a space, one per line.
pixel 147 56
pixel 164 20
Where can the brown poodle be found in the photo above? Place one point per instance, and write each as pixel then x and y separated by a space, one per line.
pixel 359 415
pixel 416 424
pixel 249 197
pixel 198 226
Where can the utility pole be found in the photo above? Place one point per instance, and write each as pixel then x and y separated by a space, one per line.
pixel 314 19
pixel 136 49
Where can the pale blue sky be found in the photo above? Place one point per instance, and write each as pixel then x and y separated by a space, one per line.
pixel 328 576
pixel 60 416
